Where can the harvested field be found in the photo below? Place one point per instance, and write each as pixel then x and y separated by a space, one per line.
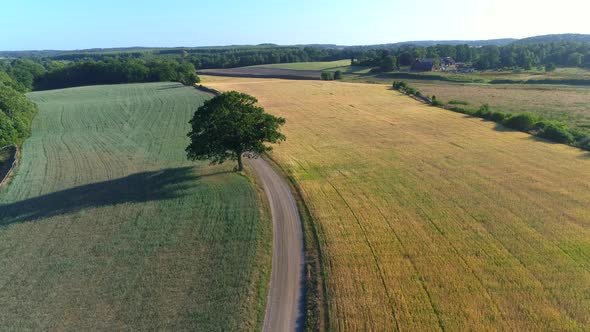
pixel 430 220
pixel 106 226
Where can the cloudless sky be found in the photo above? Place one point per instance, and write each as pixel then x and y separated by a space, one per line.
pixel 69 24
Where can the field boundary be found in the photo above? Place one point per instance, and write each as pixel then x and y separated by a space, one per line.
pixel 6 175
pixel 316 304
pixel 287 74
pixel 208 90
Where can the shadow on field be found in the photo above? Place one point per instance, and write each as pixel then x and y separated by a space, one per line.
pixel 172 86
pixel 136 188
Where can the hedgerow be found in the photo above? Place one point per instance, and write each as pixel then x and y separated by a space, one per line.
pixel 526 122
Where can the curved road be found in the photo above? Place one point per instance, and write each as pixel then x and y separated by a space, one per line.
pixel 285 306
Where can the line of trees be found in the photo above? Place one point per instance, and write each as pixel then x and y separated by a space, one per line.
pixel 525 56
pixel 16 115
pixel 526 122
pixel 115 71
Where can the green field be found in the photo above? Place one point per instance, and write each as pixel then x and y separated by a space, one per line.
pixel 343 65
pixel 106 226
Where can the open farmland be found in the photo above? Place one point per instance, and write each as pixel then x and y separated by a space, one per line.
pixel 106 226
pixel 318 65
pixel 430 220
pixel 297 70
pixel 570 105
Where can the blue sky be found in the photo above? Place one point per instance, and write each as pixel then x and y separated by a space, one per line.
pixel 67 24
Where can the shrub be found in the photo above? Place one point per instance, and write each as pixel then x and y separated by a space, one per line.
pixel 458 102
pixel 436 102
pixel 484 112
pixel 522 122
pixel 556 132
pixel 338 75
pixel 498 117
pixel 327 76
pixel 400 86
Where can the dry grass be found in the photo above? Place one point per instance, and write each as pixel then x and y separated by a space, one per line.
pixel 429 220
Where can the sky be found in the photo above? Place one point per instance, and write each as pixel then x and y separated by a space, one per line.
pixel 80 24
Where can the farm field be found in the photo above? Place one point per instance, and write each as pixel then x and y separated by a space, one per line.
pixel 297 70
pixel 319 65
pixel 570 105
pixel 430 220
pixel 106 226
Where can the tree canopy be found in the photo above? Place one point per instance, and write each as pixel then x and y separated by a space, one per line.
pixel 229 125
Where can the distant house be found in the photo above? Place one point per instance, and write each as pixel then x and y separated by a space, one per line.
pixel 447 61
pixel 422 65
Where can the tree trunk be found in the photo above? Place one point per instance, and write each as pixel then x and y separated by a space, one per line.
pixel 240 163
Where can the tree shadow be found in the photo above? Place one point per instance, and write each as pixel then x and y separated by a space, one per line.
pixel 172 86
pixel 136 188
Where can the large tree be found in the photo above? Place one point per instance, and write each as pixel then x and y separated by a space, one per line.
pixel 228 126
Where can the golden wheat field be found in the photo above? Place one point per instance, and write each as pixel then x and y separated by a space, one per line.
pixel 430 220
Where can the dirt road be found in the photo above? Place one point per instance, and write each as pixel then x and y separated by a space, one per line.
pixel 285 306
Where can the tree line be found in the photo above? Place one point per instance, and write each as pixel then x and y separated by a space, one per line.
pixel 16 115
pixel 524 56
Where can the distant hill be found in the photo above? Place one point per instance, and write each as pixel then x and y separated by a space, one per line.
pixel 564 38
pixel 561 38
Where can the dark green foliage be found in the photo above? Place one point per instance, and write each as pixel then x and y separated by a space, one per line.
pixel 404 88
pixel 555 131
pixel 498 116
pixel 16 115
pixel 550 67
pixel 229 125
pixel 523 122
pixel 388 63
pixel 327 76
pixel 484 112
pixel 338 75
pixel 115 71
pixel 458 102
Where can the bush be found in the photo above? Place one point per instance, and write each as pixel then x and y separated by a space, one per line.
pixel 327 76
pixel 523 122
pixel 498 117
pixel 436 102
pixel 400 86
pixel 484 112
pixel 458 102
pixel 556 132
pixel 338 75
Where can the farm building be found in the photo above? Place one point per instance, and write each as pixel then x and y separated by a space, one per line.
pixel 422 65
pixel 432 64
pixel 447 62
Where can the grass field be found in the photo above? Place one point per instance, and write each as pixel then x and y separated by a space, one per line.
pixel 328 65
pixel 106 226
pixel 570 105
pixel 430 220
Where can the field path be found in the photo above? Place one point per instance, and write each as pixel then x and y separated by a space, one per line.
pixel 284 309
